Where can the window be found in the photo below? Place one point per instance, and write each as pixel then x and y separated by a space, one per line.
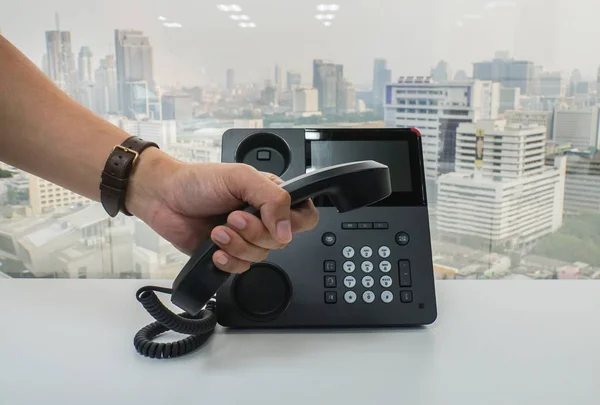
pixel 199 74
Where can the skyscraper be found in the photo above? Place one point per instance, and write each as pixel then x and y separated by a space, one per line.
pixel 294 80
pixel 61 61
pixel 382 76
pixel 230 80
pixel 279 83
pixel 106 92
pixel 85 65
pixel 508 72
pixel 135 77
pixel 328 80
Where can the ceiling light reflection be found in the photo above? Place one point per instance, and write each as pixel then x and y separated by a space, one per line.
pixel 161 18
pixel 327 23
pixel 229 7
pixel 328 7
pixel 172 25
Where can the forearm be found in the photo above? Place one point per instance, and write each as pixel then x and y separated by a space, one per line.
pixel 46 133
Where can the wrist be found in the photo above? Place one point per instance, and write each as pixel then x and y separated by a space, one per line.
pixel 148 181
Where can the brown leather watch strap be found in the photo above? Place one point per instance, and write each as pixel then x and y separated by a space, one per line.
pixel 115 176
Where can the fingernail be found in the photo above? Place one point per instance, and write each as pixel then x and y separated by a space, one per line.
pixel 222 259
pixel 284 231
pixel 237 221
pixel 221 237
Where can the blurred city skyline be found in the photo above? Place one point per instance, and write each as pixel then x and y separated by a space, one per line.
pixel 413 36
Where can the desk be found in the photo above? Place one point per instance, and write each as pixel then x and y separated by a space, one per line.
pixel 495 342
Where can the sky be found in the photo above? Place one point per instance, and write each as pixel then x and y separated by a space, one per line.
pixel 413 35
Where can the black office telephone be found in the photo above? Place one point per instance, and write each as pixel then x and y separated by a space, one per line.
pixel 369 261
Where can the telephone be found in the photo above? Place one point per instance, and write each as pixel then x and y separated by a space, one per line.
pixel 370 255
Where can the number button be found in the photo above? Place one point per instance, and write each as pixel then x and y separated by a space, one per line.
pixel 348 252
pixel 385 266
pixel 387 296
pixel 385 281
pixel 350 297
pixel 349 281
pixel 368 297
pixel 368 282
pixel 366 266
pixel 384 251
pixel 366 252
pixel 349 266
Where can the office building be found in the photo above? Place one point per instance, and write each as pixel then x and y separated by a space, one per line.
pixel 306 102
pixel 346 99
pixel 552 85
pixel 579 127
pixel 230 80
pixel 528 117
pixel 382 76
pixel 106 92
pixel 294 80
pixel 178 107
pixel 135 74
pixel 85 65
pixel 279 81
pixel 163 132
pixel 45 196
pixel 502 193
pixel 441 72
pixel 582 185
pixel 508 72
pixel 61 61
pixel 510 98
pixel 328 79
pixel 436 110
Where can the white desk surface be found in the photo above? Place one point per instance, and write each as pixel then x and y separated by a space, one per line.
pixel 495 342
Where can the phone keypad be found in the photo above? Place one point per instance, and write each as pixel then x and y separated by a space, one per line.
pixel 382 277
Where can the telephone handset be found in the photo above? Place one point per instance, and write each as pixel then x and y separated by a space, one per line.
pixel 348 186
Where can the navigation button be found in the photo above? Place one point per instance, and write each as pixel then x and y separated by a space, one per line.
pixel 365 225
pixel 349 281
pixel 329 266
pixel 404 273
pixel 406 296
pixel 349 266
pixel 368 297
pixel 330 282
pixel 402 238
pixel 328 239
pixel 380 225
pixel 349 225
pixel 348 252
pixel 330 297
pixel 350 297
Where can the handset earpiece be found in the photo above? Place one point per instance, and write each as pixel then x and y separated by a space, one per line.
pixel 349 186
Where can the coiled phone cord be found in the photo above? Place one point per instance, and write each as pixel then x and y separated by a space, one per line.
pixel 199 327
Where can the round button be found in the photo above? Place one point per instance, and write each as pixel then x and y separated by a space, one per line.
pixel 366 252
pixel 348 266
pixel 350 297
pixel 348 252
pixel 385 281
pixel 368 281
pixel 384 251
pixel 263 292
pixel 328 239
pixel 402 238
pixel 366 266
pixel 368 297
pixel 349 281
pixel 387 296
pixel 385 266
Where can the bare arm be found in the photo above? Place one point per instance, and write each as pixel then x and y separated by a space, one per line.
pixel 46 133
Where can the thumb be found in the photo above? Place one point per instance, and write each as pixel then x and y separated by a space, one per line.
pixel 264 194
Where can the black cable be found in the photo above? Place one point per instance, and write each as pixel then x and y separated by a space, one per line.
pixel 199 327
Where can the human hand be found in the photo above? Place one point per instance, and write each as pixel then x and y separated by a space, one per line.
pixel 186 203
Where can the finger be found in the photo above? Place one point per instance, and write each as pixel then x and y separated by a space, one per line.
pixel 273 202
pixel 252 229
pixel 275 179
pixel 230 264
pixel 234 245
pixel 304 217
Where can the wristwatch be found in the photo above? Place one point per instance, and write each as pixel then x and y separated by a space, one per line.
pixel 117 170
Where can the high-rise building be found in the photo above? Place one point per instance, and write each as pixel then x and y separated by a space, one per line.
pixel 578 127
pixel 551 84
pixel 163 132
pixel 441 72
pixel 510 98
pixel 294 80
pixel 279 83
pixel 382 76
pixel 135 73
pixel 106 94
pixel 85 65
pixel 582 185
pixel 502 193
pixel 45 196
pixel 436 110
pixel 346 99
pixel 327 79
pixel 230 80
pixel 528 117
pixel 508 72
pixel 61 61
pixel 177 106
pixel 306 102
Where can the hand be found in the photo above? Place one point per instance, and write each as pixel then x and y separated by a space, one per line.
pixel 185 203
